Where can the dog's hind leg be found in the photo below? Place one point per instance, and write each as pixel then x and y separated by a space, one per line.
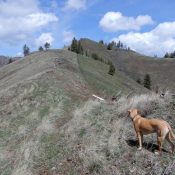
pixel 171 143
pixel 161 134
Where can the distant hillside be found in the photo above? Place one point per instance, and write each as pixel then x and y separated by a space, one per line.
pixel 3 60
pixel 135 65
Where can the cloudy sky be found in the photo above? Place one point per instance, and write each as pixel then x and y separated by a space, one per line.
pixel 147 26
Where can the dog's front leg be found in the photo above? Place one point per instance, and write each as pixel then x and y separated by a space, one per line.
pixel 140 138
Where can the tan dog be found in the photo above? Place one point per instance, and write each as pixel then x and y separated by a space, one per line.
pixel 145 126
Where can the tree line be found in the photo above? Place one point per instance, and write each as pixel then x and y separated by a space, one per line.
pixel 170 55
pixel 114 45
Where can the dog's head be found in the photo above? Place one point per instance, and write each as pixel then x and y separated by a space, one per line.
pixel 132 113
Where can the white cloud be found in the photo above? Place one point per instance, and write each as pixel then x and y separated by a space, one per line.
pixel 19 54
pixel 115 21
pixel 21 19
pixel 9 8
pixel 68 36
pixel 75 4
pixel 43 38
pixel 157 41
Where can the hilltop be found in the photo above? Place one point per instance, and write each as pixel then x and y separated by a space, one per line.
pixel 135 65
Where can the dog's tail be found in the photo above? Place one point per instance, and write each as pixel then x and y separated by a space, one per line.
pixel 171 134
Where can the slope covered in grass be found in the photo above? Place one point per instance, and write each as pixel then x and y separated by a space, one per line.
pixel 96 74
pixel 135 65
pixel 37 96
pixel 103 138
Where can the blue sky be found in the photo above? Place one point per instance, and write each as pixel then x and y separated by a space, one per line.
pixel 147 26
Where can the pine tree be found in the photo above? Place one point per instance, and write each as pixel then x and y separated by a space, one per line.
pixel 40 48
pixel 101 42
pixel 166 55
pixel 47 45
pixel 26 50
pixel 147 81
pixel 10 61
pixel 95 56
pixel 74 45
pixel 109 47
pixel 139 81
pixel 111 69
pixel 118 44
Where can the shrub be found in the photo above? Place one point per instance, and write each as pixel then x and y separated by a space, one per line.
pixel 111 69
pixel 147 81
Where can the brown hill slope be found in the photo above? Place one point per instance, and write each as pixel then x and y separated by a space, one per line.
pixel 135 65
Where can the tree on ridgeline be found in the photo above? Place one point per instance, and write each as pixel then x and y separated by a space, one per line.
pixel 101 42
pixel 147 81
pixel 74 45
pixel 109 46
pixel 47 45
pixel 166 55
pixel 172 55
pixel 40 48
pixel 10 61
pixel 169 55
pixel 26 50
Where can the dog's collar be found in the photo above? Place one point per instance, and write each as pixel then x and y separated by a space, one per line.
pixel 134 117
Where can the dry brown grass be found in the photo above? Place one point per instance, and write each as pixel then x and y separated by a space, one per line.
pixel 106 138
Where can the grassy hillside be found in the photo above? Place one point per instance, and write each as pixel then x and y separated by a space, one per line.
pixel 135 65
pixel 104 140
pixel 50 125
pixel 96 75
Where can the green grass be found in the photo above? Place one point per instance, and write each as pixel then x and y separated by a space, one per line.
pixel 96 74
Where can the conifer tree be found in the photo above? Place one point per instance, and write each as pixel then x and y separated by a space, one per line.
pixel 26 50
pixel 40 48
pixel 47 45
pixel 111 69
pixel 109 46
pixel 74 45
pixel 101 42
pixel 10 61
pixel 139 81
pixel 147 81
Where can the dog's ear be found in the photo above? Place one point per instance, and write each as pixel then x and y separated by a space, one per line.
pixel 136 111
pixel 129 110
